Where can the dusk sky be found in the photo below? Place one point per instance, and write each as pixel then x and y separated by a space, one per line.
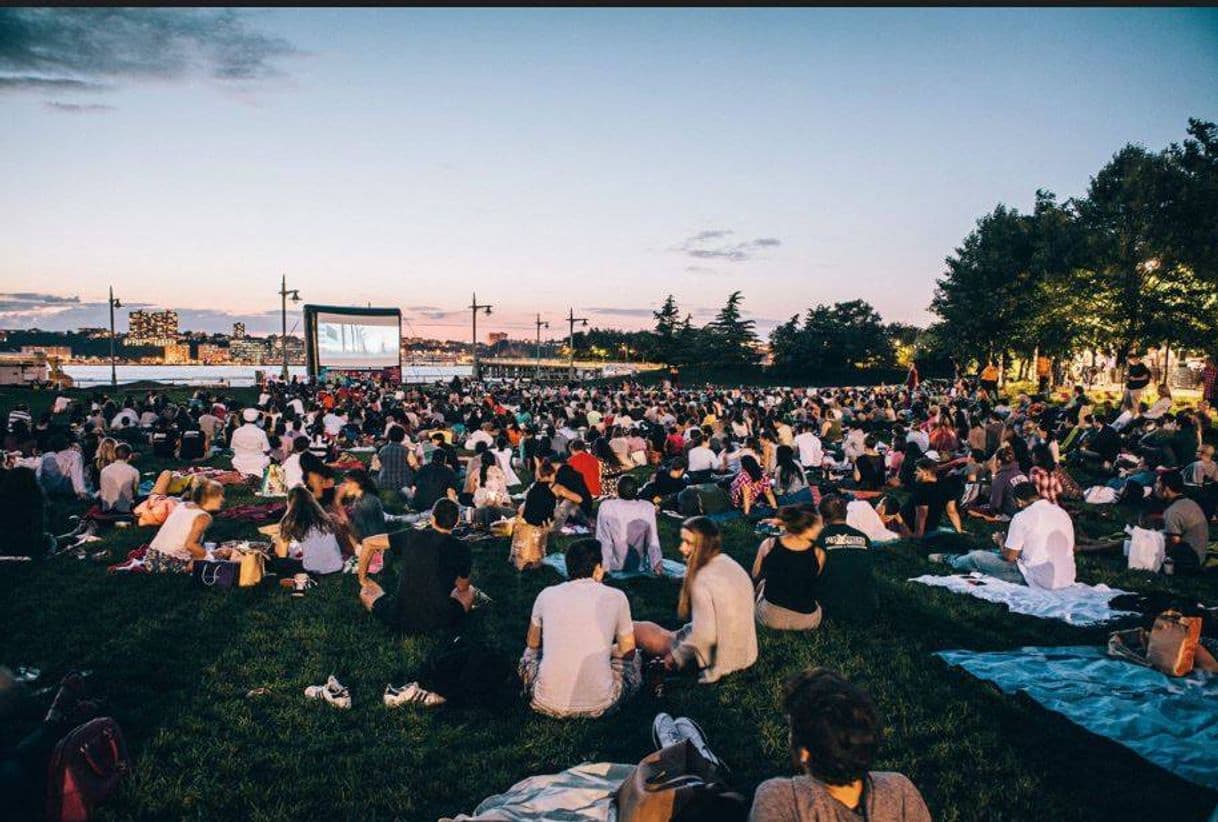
pixel 597 159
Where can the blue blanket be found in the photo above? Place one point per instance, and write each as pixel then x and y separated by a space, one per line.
pixel 1170 721
pixel 672 569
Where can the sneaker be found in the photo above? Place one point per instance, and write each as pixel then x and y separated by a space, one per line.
pixel 332 692
pixel 664 731
pixel 412 694
pixel 688 729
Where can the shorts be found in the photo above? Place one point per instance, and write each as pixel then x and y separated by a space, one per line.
pixel 784 619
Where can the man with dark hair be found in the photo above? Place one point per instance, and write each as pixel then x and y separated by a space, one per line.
pixel 846 587
pixel 835 735
pixel 1185 529
pixel 627 531
pixel 433 567
pixel 579 658
pixel 932 499
pixel 395 472
pixel 1037 550
pixel 588 466
pixel 450 454
pixel 434 481
pixel 666 484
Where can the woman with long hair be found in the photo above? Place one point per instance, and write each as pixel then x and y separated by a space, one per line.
pixel 789 473
pixel 786 570
pixel 751 485
pixel 717 599
pixel 309 535
pixel 492 501
pixel 104 456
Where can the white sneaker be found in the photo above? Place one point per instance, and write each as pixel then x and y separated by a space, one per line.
pixel 412 694
pixel 664 731
pixel 688 729
pixel 333 692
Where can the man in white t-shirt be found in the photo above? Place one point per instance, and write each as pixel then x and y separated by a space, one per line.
pixel 702 460
pixel 808 445
pixel 579 659
pixel 333 423
pixel 119 482
pixel 250 446
pixel 1038 549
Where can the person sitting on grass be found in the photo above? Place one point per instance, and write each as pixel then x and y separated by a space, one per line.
pixel 932 499
pixel 717 598
pixel 250 446
pixel 847 587
pixel 786 571
pixel 434 481
pixel 835 734
pixel 870 473
pixel 23 515
pixel 179 542
pixel 579 658
pixel 667 483
pixel 309 536
pixel 1038 548
pixel 433 567
pixel 1185 528
pixel 627 531
pixel 119 483
pixel 750 485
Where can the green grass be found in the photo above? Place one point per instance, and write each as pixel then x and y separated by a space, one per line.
pixel 176 664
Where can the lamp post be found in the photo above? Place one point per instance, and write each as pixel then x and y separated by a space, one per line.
pixel 571 321
pixel 540 324
pixel 114 303
pixel 284 293
pixel 475 307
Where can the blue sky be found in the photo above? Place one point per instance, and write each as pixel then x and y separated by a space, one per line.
pixel 598 159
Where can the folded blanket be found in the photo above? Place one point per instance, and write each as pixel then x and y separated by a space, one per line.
pixel 1078 604
pixel 580 794
pixel 265 512
pixel 672 569
pixel 1170 721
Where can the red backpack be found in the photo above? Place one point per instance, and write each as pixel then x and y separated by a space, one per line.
pixel 86 768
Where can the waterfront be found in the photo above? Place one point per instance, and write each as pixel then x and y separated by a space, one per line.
pixel 237 376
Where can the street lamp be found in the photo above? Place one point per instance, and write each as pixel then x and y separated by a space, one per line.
pixel 571 321
pixel 540 324
pixel 284 293
pixel 475 308
pixel 114 303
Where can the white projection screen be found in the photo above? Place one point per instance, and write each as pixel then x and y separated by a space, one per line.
pixel 357 340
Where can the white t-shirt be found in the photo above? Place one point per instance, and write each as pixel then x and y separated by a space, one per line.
pixel 580 621
pixel 702 459
pixel 333 423
pixel 810 451
pixel 118 480
pixel 1044 535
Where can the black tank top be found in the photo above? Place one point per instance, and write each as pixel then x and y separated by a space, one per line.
pixel 790 578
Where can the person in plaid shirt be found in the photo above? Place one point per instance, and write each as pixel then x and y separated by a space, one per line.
pixel 1044 475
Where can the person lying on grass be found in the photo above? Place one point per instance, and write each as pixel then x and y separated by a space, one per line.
pixel 717 598
pixel 179 542
pixel 1037 550
pixel 579 658
pixel 787 569
pixel 835 734
pixel 434 590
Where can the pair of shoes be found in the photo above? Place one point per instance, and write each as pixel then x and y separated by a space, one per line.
pixel 666 731
pixel 333 692
pixel 412 694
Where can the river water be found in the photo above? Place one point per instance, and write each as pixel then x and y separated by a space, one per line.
pixel 235 375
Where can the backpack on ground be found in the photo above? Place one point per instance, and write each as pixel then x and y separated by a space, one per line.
pixel 86 768
pixel 677 783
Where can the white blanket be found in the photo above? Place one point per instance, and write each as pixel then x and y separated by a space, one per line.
pixel 580 794
pixel 1077 604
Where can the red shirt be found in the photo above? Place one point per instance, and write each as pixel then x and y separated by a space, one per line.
pixel 589 468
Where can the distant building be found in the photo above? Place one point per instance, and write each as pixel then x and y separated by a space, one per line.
pixel 238 331
pixel 63 352
pixel 211 354
pixel 496 337
pixel 295 345
pixel 177 354
pixel 152 327
pixel 247 351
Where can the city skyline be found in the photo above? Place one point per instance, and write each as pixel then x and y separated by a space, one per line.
pixel 595 160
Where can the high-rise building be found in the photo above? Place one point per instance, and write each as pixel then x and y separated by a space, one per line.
pixel 238 331
pixel 248 351
pixel 177 354
pixel 212 354
pixel 152 327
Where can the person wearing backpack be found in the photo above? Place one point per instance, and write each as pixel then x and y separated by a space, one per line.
pixel 835 734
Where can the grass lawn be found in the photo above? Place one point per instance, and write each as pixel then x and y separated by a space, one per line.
pixel 176 664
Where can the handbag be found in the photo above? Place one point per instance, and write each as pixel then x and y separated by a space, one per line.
pixel 677 783
pixel 86 768
pixel 252 566
pixel 1172 645
pixel 220 574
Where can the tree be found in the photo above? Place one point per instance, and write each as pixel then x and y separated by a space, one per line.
pixel 667 326
pixel 834 339
pixel 730 339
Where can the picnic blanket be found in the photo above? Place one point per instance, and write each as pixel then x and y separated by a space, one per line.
pixel 672 569
pixel 224 476
pixel 262 512
pixel 580 794
pixel 1170 721
pixel 1077 604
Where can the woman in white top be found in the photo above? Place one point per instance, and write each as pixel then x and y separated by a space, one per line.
pixel 717 598
pixel 310 536
pixel 503 456
pixel 179 542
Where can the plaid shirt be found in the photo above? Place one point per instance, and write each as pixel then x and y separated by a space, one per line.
pixel 1047 483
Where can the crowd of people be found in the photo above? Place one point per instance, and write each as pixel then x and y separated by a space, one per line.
pixel 825 475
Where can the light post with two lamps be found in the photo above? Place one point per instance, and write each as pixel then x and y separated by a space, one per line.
pixel 540 324
pixel 571 321
pixel 475 307
pixel 284 293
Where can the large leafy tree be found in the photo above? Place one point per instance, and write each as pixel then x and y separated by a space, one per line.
pixel 730 339
pixel 835 339
pixel 668 324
